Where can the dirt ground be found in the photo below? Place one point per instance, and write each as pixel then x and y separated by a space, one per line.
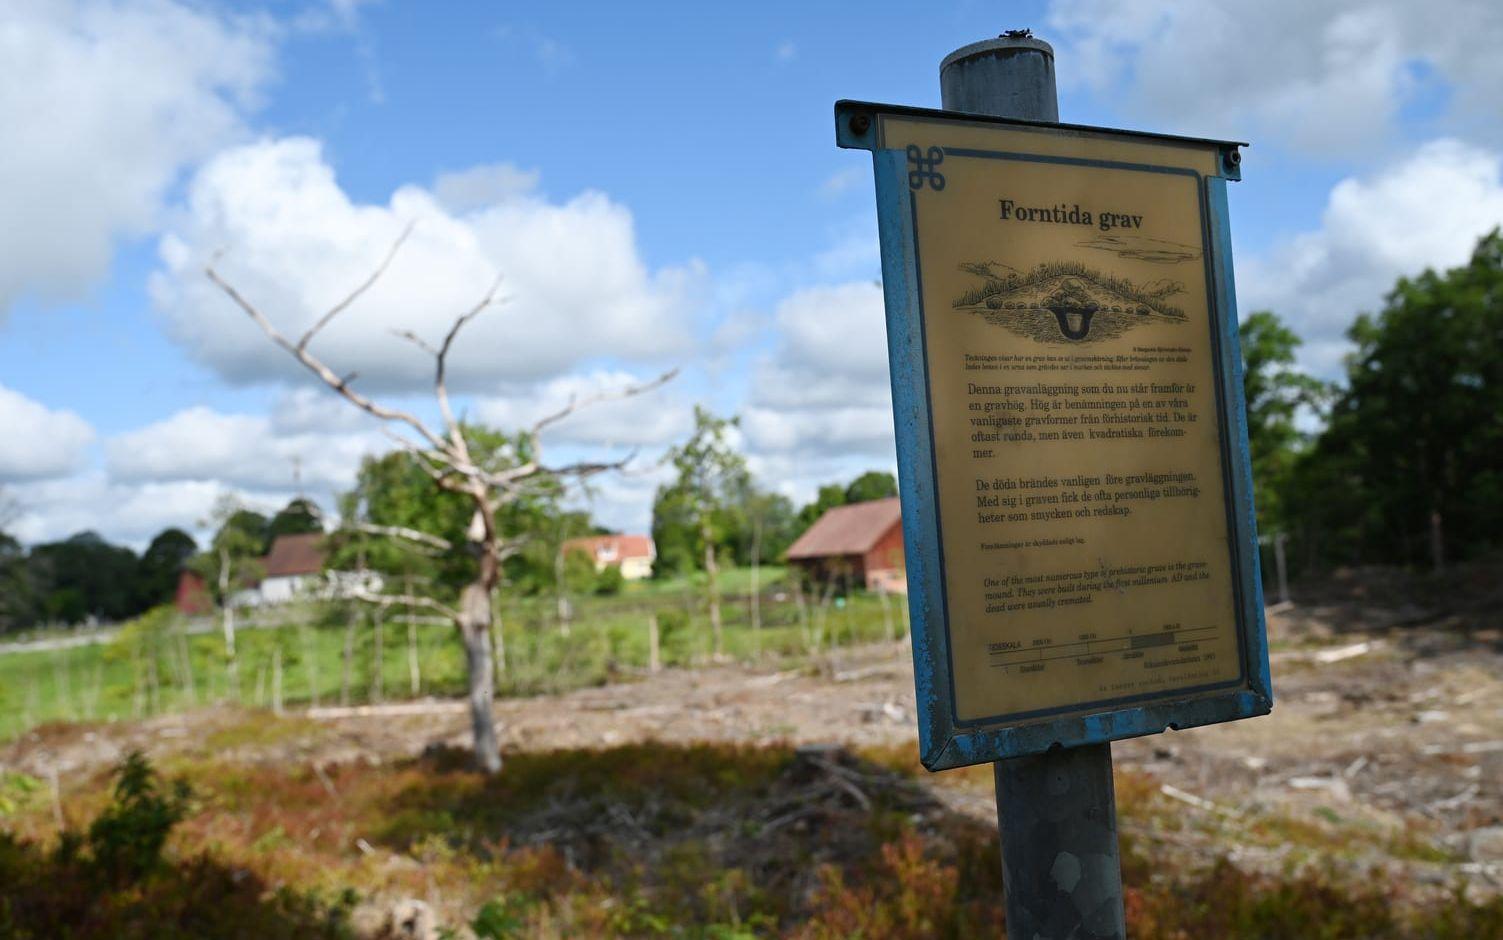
pixel 1384 751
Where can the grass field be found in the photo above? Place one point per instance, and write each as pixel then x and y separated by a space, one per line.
pixel 157 665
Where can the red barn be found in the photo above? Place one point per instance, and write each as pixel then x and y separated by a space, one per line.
pixel 192 597
pixel 860 544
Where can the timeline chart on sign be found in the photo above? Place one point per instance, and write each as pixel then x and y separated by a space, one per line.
pixel 1079 460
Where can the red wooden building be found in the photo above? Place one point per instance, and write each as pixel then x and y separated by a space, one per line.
pixel 860 544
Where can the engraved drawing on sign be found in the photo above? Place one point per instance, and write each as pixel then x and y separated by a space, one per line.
pixel 1066 302
pixel 1142 248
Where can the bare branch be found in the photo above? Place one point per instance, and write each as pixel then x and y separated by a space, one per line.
pixel 354 295
pixel 441 364
pixel 402 532
pixel 317 367
pixel 577 404
pixel 416 340
pixel 404 600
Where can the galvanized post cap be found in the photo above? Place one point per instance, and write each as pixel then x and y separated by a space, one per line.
pixel 1002 45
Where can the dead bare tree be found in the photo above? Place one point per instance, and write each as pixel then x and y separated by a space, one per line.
pixel 445 454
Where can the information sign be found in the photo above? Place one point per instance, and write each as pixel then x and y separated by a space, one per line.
pixel 1072 446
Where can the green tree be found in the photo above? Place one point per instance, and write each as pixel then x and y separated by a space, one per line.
pixel 674 532
pixel 299 517
pixel 873 484
pixel 17 595
pixel 161 563
pixel 711 476
pixel 1408 467
pixel 84 576
pixel 1275 392
pixel 231 563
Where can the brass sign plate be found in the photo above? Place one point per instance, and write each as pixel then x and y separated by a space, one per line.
pixel 1081 418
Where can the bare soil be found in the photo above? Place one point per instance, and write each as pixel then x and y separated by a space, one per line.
pixel 1384 752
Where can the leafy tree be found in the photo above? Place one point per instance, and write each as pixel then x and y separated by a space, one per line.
pixel 873 484
pixel 771 525
pixel 1408 468
pixel 1275 391
pixel 674 532
pixel 161 563
pixel 17 594
pixel 230 564
pixel 299 517
pixel 246 524
pixel 84 576
pixel 711 474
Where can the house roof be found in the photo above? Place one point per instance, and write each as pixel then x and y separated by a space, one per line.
pixel 848 530
pixel 614 547
pixel 292 555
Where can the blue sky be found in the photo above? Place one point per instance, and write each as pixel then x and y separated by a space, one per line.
pixel 658 182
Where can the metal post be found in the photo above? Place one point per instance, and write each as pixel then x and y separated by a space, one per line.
pixel 1056 812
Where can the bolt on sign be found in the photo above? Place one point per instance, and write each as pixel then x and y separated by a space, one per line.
pixel 1072 443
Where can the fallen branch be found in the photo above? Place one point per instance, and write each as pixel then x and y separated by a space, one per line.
pixel 386 711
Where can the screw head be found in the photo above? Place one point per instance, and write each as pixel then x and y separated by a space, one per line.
pixel 860 123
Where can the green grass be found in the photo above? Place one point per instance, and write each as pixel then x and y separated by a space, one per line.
pixel 145 672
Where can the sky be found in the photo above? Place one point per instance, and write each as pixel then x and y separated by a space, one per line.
pixel 655 184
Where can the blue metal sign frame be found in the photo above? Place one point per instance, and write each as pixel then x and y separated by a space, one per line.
pixel 945 741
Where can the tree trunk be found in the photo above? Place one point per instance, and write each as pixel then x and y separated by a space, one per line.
pixel 227 621
pixel 712 573
pixel 474 628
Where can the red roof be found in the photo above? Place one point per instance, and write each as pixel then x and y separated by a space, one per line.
pixel 294 555
pixel 613 548
pixel 849 530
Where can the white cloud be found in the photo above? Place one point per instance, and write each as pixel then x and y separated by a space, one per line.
pixel 39 441
pixel 653 419
pixel 575 284
pixel 785 51
pixel 825 389
pixel 128 513
pixel 1425 211
pixel 105 104
pixel 251 452
pixel 1317 76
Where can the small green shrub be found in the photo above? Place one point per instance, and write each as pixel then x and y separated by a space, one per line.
pixel 126 839
pixel 502 918
pixel 610 581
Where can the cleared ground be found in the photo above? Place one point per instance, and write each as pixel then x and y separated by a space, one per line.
pixel 1380 770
